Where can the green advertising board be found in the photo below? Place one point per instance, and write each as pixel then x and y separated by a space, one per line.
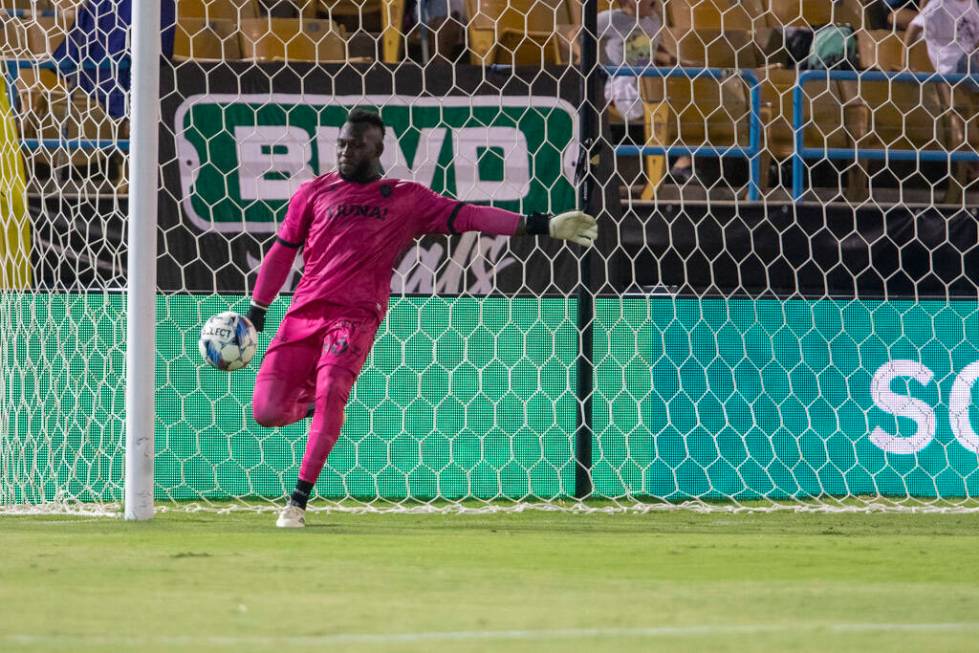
pixel 242 156
pixel 463 397
pixel 741 398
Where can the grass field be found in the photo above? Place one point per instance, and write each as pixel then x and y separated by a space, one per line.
pixel 533 581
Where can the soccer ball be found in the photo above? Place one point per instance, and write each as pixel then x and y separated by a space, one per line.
pixel 228 341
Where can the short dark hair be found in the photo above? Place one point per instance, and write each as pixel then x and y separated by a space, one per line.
pixel 365 117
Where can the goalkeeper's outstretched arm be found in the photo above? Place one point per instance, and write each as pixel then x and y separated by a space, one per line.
pixel 574 226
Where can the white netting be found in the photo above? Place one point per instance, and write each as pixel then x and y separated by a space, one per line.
pixel 781 304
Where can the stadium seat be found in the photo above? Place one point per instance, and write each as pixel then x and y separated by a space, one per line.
pixel 692 112
pixel 364 22
pixel 42 93
pixel 896 115
pixel 698 111
pixel 288 8
pixel 235 10
pixel 771 43
pixel 355 10
pixel 392 37
pixel 903 116
pixel 24 5
pixel 884 50
pixel 953 111
pixel 291 39
pixel 824 119
pixel 88 119
pixel 205 40
pixel 61 7
pixel 43 98
pixel 50 110
pixel 714 48
pixel 684 15
pixel 14 43
pixel 31 38
pixel 965 116
pixel 815 13
pixel 801 13
pixel 99 170
pixel 516 32
pixel 575 7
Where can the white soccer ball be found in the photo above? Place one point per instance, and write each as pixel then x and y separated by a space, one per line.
pixel 228 341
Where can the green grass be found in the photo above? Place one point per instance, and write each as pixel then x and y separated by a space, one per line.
pixel 671 581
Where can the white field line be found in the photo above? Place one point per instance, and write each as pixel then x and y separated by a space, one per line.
pixel 704 630
pixel 63 522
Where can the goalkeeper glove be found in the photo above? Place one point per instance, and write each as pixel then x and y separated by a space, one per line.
pixel 256 315
pixel 576 226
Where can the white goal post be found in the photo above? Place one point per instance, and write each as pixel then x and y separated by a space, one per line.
pixel 141 262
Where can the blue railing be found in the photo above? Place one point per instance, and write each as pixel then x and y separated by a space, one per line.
pixel 13 72
pixel 752 152
pixel 801 152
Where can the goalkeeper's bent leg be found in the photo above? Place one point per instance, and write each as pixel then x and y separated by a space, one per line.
pixel 333 385
pixel 274 402
pixel 286 382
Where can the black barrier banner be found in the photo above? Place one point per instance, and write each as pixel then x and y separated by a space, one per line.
pixel 237 139
pixel 805 250
pixel 694 249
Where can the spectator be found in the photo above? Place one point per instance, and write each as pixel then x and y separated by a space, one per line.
pixel 951 32
pixel 630 36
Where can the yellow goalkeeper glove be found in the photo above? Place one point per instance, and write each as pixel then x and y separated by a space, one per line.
pixel 576 226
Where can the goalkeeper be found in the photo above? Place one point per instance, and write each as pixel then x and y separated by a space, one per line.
pixel 351 225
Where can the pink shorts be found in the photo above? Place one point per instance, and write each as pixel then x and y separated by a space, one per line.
pixel 303 345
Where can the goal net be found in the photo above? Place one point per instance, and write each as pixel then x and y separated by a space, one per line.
pixel 780 310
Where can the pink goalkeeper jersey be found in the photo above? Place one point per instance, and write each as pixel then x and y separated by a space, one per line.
pixel 351 233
